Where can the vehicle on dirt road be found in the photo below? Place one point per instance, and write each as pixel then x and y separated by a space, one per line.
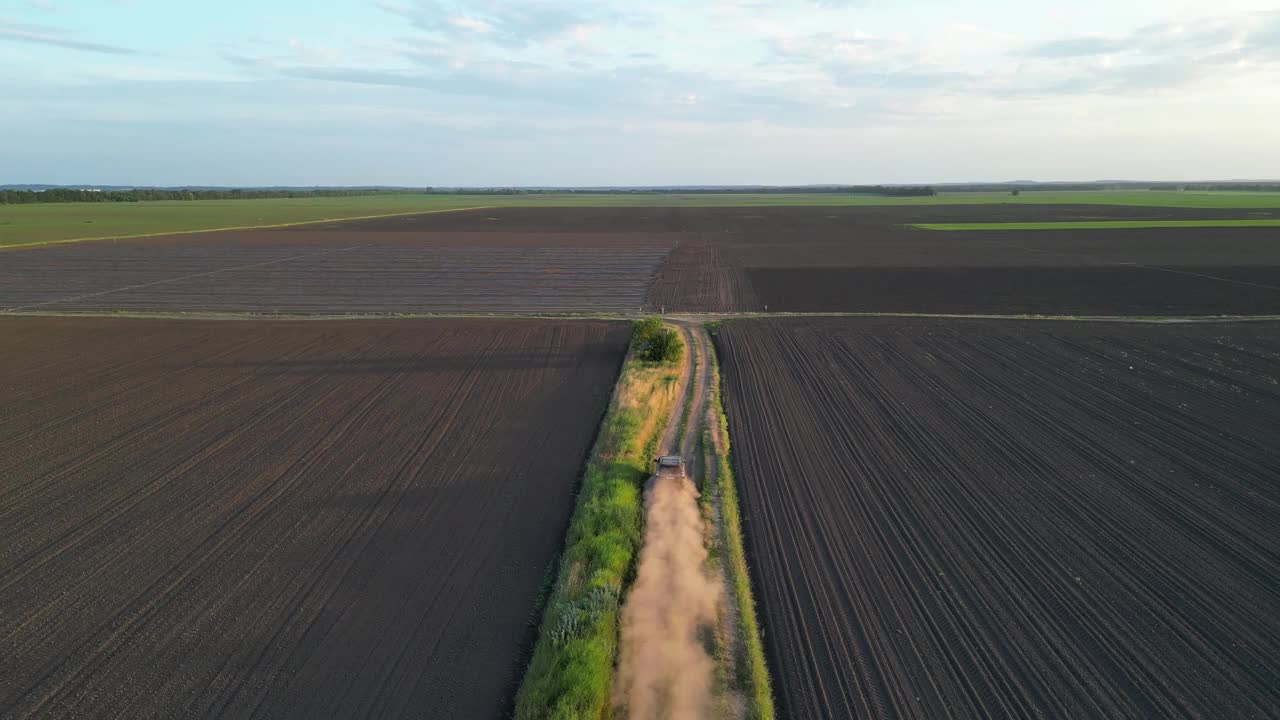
pixel 669 465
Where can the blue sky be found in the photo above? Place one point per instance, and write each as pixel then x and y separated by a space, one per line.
pixel 594 92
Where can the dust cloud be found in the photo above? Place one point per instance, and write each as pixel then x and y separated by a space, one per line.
pixel 664 669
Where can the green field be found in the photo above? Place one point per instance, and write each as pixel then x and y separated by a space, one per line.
pixel 42 223
pixel 1100 225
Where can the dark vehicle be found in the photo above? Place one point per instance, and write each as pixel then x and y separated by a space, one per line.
pixel 669 465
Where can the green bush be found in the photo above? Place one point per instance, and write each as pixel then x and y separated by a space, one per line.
pixel 643 331
pixel 656 343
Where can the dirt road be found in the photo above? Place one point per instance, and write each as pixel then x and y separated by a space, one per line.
pixel 684 427
pixel 678 598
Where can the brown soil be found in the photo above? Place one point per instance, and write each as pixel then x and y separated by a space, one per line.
pixel 1018 519
pixel 701 276
pixel 338 271
pixel 284 519
pixel 1020 290
pixel 851 259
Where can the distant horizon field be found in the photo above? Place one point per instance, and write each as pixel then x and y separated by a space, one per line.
pixel 71 222
pixel 1099 224
pixel 42 223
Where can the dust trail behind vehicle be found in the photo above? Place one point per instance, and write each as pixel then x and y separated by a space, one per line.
pixel 665 669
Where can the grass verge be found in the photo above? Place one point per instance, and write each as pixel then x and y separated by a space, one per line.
pixel 751 675
pixel 571 671
pixel 1101 225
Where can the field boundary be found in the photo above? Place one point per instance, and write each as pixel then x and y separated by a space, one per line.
pixel 1098 224
pixel 690 317
pixel 751 663
pixel 571 668
pixel 67 241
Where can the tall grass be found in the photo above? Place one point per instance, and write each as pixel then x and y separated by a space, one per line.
pixel 571 671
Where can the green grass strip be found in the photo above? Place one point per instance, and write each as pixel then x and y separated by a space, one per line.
pixel 1101 225
pixel 753 672
pixel 6 245
pixel 570 675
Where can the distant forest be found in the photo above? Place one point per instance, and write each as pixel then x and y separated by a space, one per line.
pixel 21 195
pixel 69 195
pixel 1101 186
pixel 889 190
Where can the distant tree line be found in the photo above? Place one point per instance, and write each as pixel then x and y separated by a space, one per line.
pixel 20 196
pixel 69 195
pixel 1097 186
pixel 889 190
pixel 77 195
pixel 1236 187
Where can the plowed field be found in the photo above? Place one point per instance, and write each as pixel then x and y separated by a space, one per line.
pixel 336 272
pixel 727 259
pixel 284 519
pixel 1020 519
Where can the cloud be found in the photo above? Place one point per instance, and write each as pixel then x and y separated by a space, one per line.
pixel 869 74
pixel 1174 55
pixel 466 22
pixel 56 37
pixel 911 79
pixel 1116 80
pixel 502 91
pixel 874 73
pixel 510 23
pixel 1076 47
pixel 1252 35
pixel 833 47
pixel 245 61
pixel 532 85
pixel 493 58
pixel 573 92
pixel 1262 40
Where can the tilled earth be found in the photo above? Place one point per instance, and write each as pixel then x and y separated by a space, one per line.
pixel 564 260
pixel 284 518
pixel 352 518
pixel 955 519
pixel 336 272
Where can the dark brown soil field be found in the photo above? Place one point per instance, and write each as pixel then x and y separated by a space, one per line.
pixel 284 519
pixel 763 218
pixel 955 519
pixel 513 260
pixel 337 272
pixel 1021 290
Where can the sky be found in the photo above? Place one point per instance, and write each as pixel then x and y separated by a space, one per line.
pixel 611 92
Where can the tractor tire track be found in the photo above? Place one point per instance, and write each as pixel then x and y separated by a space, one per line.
pixel 977 519
pixel 284 519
